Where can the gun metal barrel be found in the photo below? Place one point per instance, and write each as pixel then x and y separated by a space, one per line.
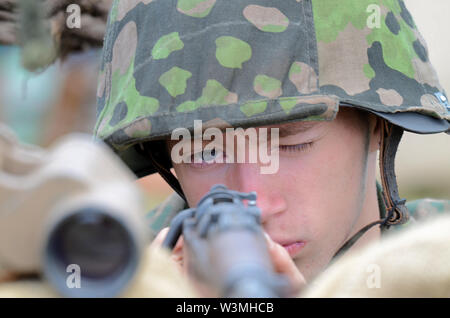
pixel 241 261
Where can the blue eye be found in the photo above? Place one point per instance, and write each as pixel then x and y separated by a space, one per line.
pixel 205 158
pixel 294 148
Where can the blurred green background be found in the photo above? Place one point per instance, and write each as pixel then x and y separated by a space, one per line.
pixel 42 107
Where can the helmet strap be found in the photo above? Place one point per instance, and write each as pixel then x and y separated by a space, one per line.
pixel 397 211
pixel 164 172
pixel 390 139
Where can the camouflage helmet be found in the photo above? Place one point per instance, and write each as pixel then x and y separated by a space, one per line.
pixel 247 63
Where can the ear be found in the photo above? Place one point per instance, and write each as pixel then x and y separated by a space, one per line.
pixel 375 123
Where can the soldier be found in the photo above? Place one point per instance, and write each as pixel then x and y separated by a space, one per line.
pixel 341 80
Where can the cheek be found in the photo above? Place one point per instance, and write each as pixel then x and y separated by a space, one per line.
pixel 327 183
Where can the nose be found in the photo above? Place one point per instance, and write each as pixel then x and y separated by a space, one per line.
pixel 247 177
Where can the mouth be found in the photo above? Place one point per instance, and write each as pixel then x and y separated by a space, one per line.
pixel 294 248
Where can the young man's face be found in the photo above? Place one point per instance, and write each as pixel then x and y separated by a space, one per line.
pixel 323 192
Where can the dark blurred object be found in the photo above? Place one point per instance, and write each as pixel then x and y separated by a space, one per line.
pixel 20 21
pixel 74 109
pixel 74 205
pixel 226 248
pixel 39 46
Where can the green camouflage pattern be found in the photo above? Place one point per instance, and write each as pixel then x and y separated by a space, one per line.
pixel 161 216
pixel 428 208
pixel 248 63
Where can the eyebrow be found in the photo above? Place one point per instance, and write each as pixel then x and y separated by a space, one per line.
pixel 294 128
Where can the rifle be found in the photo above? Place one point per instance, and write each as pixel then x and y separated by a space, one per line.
pixel 226 249
pixel 75 204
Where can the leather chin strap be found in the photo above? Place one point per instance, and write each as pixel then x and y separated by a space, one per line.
pixel 397 213
pixel 165 173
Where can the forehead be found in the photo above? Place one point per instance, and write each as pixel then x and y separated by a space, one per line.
pixel 348 117
pixel 295 127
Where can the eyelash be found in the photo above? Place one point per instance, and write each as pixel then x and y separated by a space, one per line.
pixel 295 148
pixel 204 163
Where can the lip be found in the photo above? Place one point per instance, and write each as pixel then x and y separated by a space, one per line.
pixel 294 248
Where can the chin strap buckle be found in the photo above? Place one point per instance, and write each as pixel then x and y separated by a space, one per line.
pixel 395 214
